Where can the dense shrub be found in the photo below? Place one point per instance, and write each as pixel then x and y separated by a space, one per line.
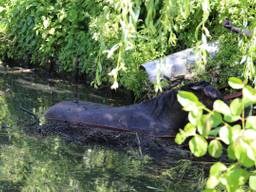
pixel 114 37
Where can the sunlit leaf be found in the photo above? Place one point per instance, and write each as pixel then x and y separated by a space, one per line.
pixel 190 129
pixel 215 119
pixel 195 118
pixel 198 146
pixel 252 182
pixel 225 135
pixel 221 107
pixel 234 132
pixel 236 107
pixel 234 178
pixel 251 122
pixel 217 169
pixel 189 101
pixel 212 182
pixel 249 95
pixel 215 148
pixel 230 152
pixel 180 137
pixel 235 83
pixel 244 153
pixel 231 118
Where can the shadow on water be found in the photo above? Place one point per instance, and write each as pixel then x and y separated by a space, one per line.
pixel 29 162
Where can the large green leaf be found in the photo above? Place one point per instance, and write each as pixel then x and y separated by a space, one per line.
pixel 228 135
pixel 212 182
pixel 189 130
pixel 214 119
pixel 251 122
pixel 180 137
pixel 236 107
pixel 234 178
pixel 252 182
pixel 231 118
pixel 244 153
pixel 221 107
pixel 249 95
pixel 225 135
pixel 230 152
pixel 198 146
pixel 189 101
pixel 215 148
pixel 217 169
pixel 207 122
pixel 235 83
pixel 194 118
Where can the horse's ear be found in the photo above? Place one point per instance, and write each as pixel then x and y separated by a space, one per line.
pixel 211 92
pixel 199 86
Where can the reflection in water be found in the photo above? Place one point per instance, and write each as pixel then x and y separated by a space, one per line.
pixel 29 162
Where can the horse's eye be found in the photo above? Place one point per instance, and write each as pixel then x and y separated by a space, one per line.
pixel 199 86
pixel 211 92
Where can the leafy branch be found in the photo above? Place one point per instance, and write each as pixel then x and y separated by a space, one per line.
pixel 230 126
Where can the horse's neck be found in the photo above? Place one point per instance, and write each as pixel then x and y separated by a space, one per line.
pixel 161 104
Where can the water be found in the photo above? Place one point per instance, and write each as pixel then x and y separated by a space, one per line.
pixel 31 162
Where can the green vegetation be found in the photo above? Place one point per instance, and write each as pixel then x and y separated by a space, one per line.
pixel 230 125
pixel 112 38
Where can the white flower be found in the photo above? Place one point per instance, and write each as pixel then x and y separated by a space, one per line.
pixel 115 85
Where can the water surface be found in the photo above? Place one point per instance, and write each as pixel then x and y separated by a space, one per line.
pixel 31 162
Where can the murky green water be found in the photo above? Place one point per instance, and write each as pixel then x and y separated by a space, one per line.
pixel 30 162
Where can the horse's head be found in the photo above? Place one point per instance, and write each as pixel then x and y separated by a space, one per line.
pixel 205 92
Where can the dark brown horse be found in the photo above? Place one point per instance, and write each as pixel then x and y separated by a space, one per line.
pixel 161 116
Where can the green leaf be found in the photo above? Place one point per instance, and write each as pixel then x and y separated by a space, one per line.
pixel 204 125
pixel 207 122
pixel 249 135
pixel 252 182
pixel 190 130
pixel 235 132
pixel 221 107
pixel 180 137
pixel 194 118
pixel 189 101
pixel 249 96
pixel 215 119
pixel 251 122
pixel 229 134
pixel 244 153
pixel 186 97
pixel 214 132
pixel 217 169
pixel 236 107
pixel 231 118
pixel 210 190
pixel 215 148
pixel 234 178
pixel 212 182
pixel 231 153
pixel 225 135
pixel 198 146
pixel 235 83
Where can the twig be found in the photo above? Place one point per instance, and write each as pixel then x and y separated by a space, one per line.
pixel 228 24
pixel 139 144
pixel 32 114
